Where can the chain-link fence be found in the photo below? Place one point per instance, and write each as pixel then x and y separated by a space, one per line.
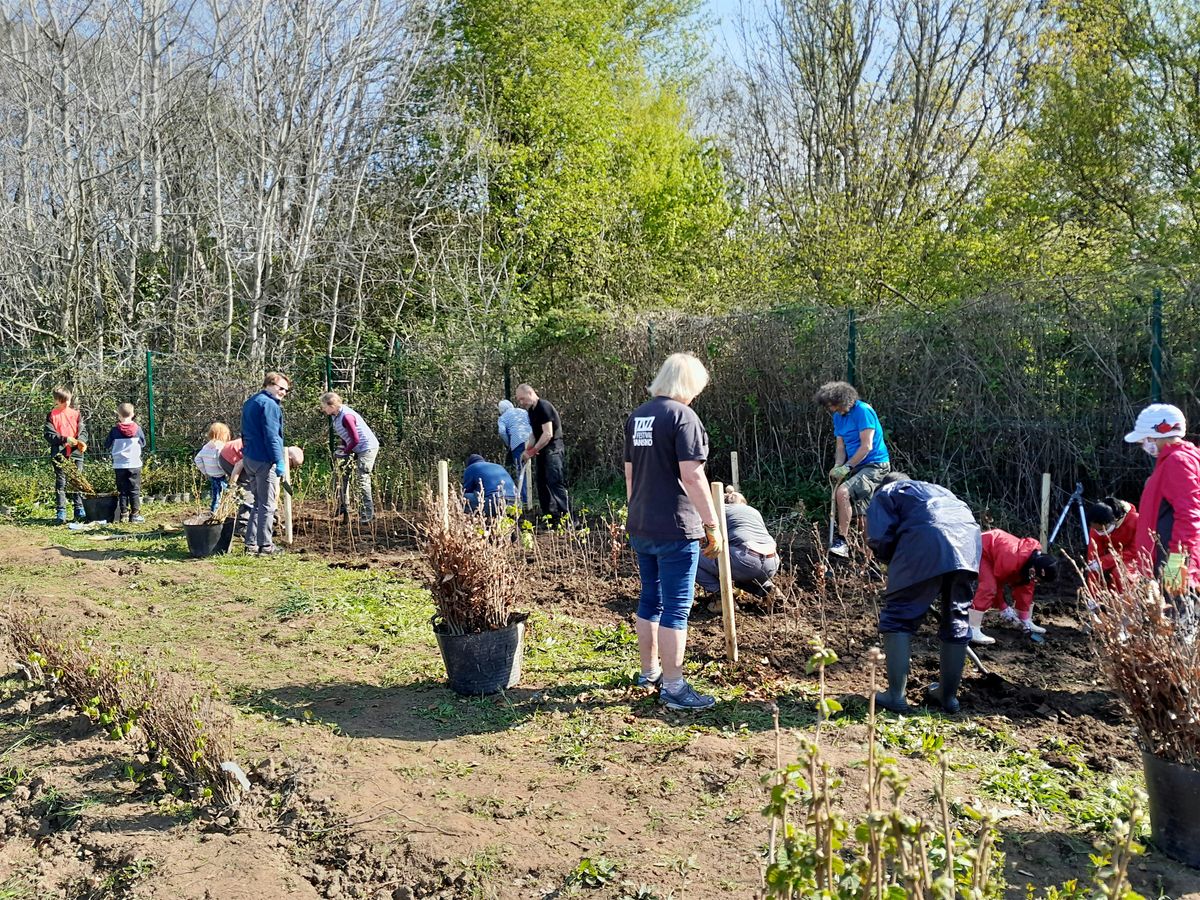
pixel 982 396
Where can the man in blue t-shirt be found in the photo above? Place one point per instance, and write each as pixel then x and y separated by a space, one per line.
pixel 861 459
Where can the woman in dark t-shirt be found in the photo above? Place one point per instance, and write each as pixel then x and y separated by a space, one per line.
pixel 670 515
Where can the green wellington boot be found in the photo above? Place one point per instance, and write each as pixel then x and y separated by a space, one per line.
pixel 945 692
pixel 898 646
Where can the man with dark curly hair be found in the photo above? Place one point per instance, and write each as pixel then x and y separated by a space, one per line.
pixel 860 460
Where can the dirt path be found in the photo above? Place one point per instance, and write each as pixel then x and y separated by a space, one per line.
pixel 373 780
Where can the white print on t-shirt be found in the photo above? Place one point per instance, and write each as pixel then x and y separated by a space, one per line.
pixel 643 431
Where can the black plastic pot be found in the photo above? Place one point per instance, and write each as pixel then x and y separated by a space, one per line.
pixel 484 663
pixel 100 507
pixel 1174 793
pixel 205 540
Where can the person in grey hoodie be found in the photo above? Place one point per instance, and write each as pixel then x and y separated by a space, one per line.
pixel 262 459
pixel 125 441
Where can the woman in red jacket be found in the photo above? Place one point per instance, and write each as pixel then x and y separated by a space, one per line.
pixel 1015 563
pixel 1112 529
pixel 1167 543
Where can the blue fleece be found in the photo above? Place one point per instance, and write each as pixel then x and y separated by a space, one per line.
pixel 262 428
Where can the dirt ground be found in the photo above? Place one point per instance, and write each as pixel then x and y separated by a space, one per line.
pixel 371 779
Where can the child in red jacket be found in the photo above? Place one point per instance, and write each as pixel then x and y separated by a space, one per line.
pixel 67 436
pixel 1016 563
pixel 1111 549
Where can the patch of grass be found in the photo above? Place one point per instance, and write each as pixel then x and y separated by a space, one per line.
pixel 15 888
pixel 120 883
pixel 482 871
pixel 1086 799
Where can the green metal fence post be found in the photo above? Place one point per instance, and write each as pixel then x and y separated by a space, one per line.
pixel 1156 344
pixel 152 437
pixel 851 347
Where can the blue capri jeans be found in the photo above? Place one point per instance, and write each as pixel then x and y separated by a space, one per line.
pixel 668 570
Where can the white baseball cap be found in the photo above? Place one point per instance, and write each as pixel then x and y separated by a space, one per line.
pixel 1158 420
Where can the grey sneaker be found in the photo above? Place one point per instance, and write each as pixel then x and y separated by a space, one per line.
pixel 644 681
pixel 685 698
pixel 137 520
pixel 839 547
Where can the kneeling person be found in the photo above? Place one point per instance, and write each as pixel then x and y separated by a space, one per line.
pixel 753 558
pixel 931 543
pixel 487 487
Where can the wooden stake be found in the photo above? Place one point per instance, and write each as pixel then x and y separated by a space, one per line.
pixel 1045 512
pixel 444 491
pixel 287 499
pixel 528 480
pixel 733 469
pixel 731 647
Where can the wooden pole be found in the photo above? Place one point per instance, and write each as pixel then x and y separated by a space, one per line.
pixel 733 469
pixel 444 491
pixel 1045 512
pixel 731 647
pixel 528 479
pixel 287 499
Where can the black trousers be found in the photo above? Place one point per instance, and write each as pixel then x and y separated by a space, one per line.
pixel 552 483
pixel 129 492
pixel 905 609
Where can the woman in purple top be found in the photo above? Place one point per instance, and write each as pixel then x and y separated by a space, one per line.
pixel 670 514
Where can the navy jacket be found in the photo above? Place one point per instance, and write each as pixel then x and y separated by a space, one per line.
pixel 262 428
pixel 496 481
pixel 921 530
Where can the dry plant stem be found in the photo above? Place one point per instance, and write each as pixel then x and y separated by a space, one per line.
pixel 778 779
pixel 947 830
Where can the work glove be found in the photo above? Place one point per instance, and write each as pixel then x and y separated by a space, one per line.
pixel 1175 573
pixel 839 473
pixel 279 469
pixel 711 547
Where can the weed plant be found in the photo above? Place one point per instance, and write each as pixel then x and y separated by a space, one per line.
pixel 889 852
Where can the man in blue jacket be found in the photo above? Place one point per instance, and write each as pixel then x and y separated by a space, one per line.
pixel 932 545
pixel 488 486
pixel 262 459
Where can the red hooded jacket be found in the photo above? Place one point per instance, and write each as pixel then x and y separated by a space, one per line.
pixel 1170 511
pixel 1004 556
pixel 1106 549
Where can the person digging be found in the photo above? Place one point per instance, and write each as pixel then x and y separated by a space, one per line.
pixel 932 546
pixel 1018 564
pixel 861 457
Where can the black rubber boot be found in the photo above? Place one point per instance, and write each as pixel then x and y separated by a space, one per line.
pixel 945 692
pixel 897 645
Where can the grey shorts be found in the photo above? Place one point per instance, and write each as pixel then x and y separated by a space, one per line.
pixel 863 484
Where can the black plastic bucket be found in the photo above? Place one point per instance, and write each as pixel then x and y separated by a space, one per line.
pixel 1174 793
pixel 484 663
pixel 100 507
pixel 205 540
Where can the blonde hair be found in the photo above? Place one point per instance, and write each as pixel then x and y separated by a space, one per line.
pixel 219 431
pixel 62 395
pixel 125 411
pixel 682 377
pixel 274 378
pixel 331 398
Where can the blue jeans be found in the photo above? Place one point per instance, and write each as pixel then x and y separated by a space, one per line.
pixel 216 487
pixel 668 570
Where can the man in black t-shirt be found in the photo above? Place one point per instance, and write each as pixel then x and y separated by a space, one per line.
pixel 546 441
